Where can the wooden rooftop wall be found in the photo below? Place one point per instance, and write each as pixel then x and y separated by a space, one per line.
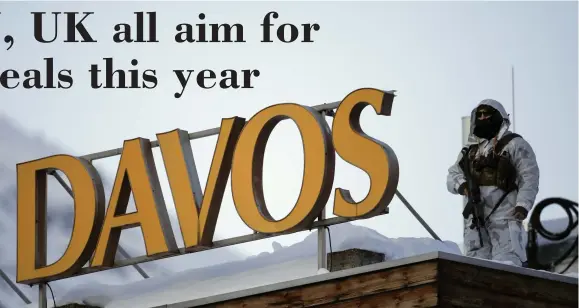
pixel 432 280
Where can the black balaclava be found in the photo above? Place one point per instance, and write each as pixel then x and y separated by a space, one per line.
pixel 487 128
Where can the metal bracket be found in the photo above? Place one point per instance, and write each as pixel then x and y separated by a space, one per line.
pixel 14 287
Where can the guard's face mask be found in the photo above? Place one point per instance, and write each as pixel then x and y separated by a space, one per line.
pixel 487 123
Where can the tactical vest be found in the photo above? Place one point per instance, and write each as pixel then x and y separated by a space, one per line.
pixel 495 168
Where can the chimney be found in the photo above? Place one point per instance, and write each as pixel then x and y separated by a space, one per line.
pixel 351 258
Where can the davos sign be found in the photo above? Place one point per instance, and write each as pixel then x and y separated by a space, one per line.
pixel 239 150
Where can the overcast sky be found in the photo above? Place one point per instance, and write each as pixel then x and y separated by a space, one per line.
pixel 442 58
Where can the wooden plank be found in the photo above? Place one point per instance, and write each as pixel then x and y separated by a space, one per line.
pixel 458 295
pixel 347 288
pixel 419 296
pixel 472 285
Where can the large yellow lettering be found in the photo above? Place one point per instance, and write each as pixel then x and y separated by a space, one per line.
pixel 137 174
pixel 240 150
pixel 197 213
pixel 88 216
pixel 246 173
pixel 376 158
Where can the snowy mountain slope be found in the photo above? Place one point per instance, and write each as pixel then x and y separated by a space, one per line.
pixel 17 146
pixel 284 263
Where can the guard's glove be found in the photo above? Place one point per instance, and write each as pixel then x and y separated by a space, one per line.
pixel 520 213
pixel 462 189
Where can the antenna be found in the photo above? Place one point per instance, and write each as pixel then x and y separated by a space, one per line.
pixel 513 93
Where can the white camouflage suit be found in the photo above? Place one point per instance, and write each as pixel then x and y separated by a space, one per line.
pixel 507 236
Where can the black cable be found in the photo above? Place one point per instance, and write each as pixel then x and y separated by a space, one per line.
pixel 53 300
pixel 536 226
pixel 569 265
pixel 331 253
pixel 567 253
pixel 567 205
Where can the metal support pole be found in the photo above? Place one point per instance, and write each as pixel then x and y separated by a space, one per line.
pixel 41 236
pixel 42 296
pixel 126 255
pixel 62 182
pixel 322 256
pixel 14 287
pixel 120 249
pixel 513 95
pixel 422 222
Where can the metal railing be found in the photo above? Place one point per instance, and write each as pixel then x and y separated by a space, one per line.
pixel 14 287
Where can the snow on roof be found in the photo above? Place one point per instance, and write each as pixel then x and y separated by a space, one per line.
pixel 283 264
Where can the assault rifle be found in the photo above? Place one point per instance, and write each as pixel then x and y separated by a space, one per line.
pixel 474 205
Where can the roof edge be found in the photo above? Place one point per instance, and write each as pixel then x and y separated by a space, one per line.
pixel 508 268
pixel 437 255
pixel 303 281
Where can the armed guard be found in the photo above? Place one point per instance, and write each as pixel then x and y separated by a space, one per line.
pixel 497 172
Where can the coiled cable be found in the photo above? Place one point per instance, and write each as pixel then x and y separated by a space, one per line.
pixel 536 226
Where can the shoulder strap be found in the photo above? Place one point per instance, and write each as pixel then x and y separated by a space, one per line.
pixel 472 151
pixel 504 141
